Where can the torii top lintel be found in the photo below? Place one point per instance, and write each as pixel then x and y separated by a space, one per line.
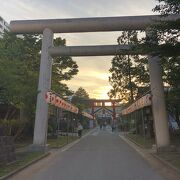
pixel 95 24
pixel 95 102
pixel 105 100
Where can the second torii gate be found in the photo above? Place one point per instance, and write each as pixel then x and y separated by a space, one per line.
pixel 102 104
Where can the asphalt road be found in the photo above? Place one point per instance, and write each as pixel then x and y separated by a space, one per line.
pixel 102 155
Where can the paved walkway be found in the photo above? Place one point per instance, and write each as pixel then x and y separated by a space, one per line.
pixel 102 155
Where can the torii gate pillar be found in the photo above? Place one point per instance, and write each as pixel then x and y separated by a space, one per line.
pixel 158 99
pixel 41 120
pixel 158 104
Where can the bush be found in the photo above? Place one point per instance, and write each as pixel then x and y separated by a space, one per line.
pixel 12 127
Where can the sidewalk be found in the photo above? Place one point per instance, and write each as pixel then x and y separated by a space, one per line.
pixel 166 169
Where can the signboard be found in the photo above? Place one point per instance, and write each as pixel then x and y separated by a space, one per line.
pixel 54 99
pixel 140 103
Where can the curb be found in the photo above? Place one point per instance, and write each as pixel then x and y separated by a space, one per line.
pixel 165 162
pixel 23 167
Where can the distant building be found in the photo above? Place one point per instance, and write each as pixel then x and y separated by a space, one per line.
pixel 4 26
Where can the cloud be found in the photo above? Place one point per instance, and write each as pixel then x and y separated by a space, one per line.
pixel 93 71
pixel 36 9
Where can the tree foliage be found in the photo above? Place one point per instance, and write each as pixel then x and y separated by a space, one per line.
pixel 19 64
pixel 19 72
pixel 64 68
pixel 80 98
pixel 166 7
pixel 168 31
pixel 127 72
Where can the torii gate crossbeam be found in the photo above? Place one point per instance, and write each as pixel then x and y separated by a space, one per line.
pixel 94 24
pixel 105 50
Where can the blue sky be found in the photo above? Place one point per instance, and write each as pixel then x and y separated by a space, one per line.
pixel 93 71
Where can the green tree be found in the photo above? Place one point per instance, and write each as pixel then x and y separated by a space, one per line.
pixel 166 7
pixel 19 72
pixel 64 68
pixel 80 99
pixel 19 64
pixel 127 71
pixel 168 32
pixel 19 61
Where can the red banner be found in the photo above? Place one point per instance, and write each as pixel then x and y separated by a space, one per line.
pixel 54 99
pixel 140 103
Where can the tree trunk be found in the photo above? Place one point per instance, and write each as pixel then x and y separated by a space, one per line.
pixel 7 112
pixel 23 116
pixel 130 82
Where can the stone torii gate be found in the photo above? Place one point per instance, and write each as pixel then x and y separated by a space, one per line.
pixel 50 26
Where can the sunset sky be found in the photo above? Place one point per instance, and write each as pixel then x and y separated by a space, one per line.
pixel 93 71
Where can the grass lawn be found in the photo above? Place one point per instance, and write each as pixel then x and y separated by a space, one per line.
pixel 60 141
pixel 171 157
pixel 144 142
pixel 63 140
pixel 22 159
pixel 21 145
pixel 85 131
pixel 175 140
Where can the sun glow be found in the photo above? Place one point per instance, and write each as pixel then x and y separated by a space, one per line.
pixel 100 93
pixel 94 82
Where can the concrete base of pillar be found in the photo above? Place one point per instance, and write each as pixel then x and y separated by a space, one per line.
pixel 38 148
pixel 171 148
